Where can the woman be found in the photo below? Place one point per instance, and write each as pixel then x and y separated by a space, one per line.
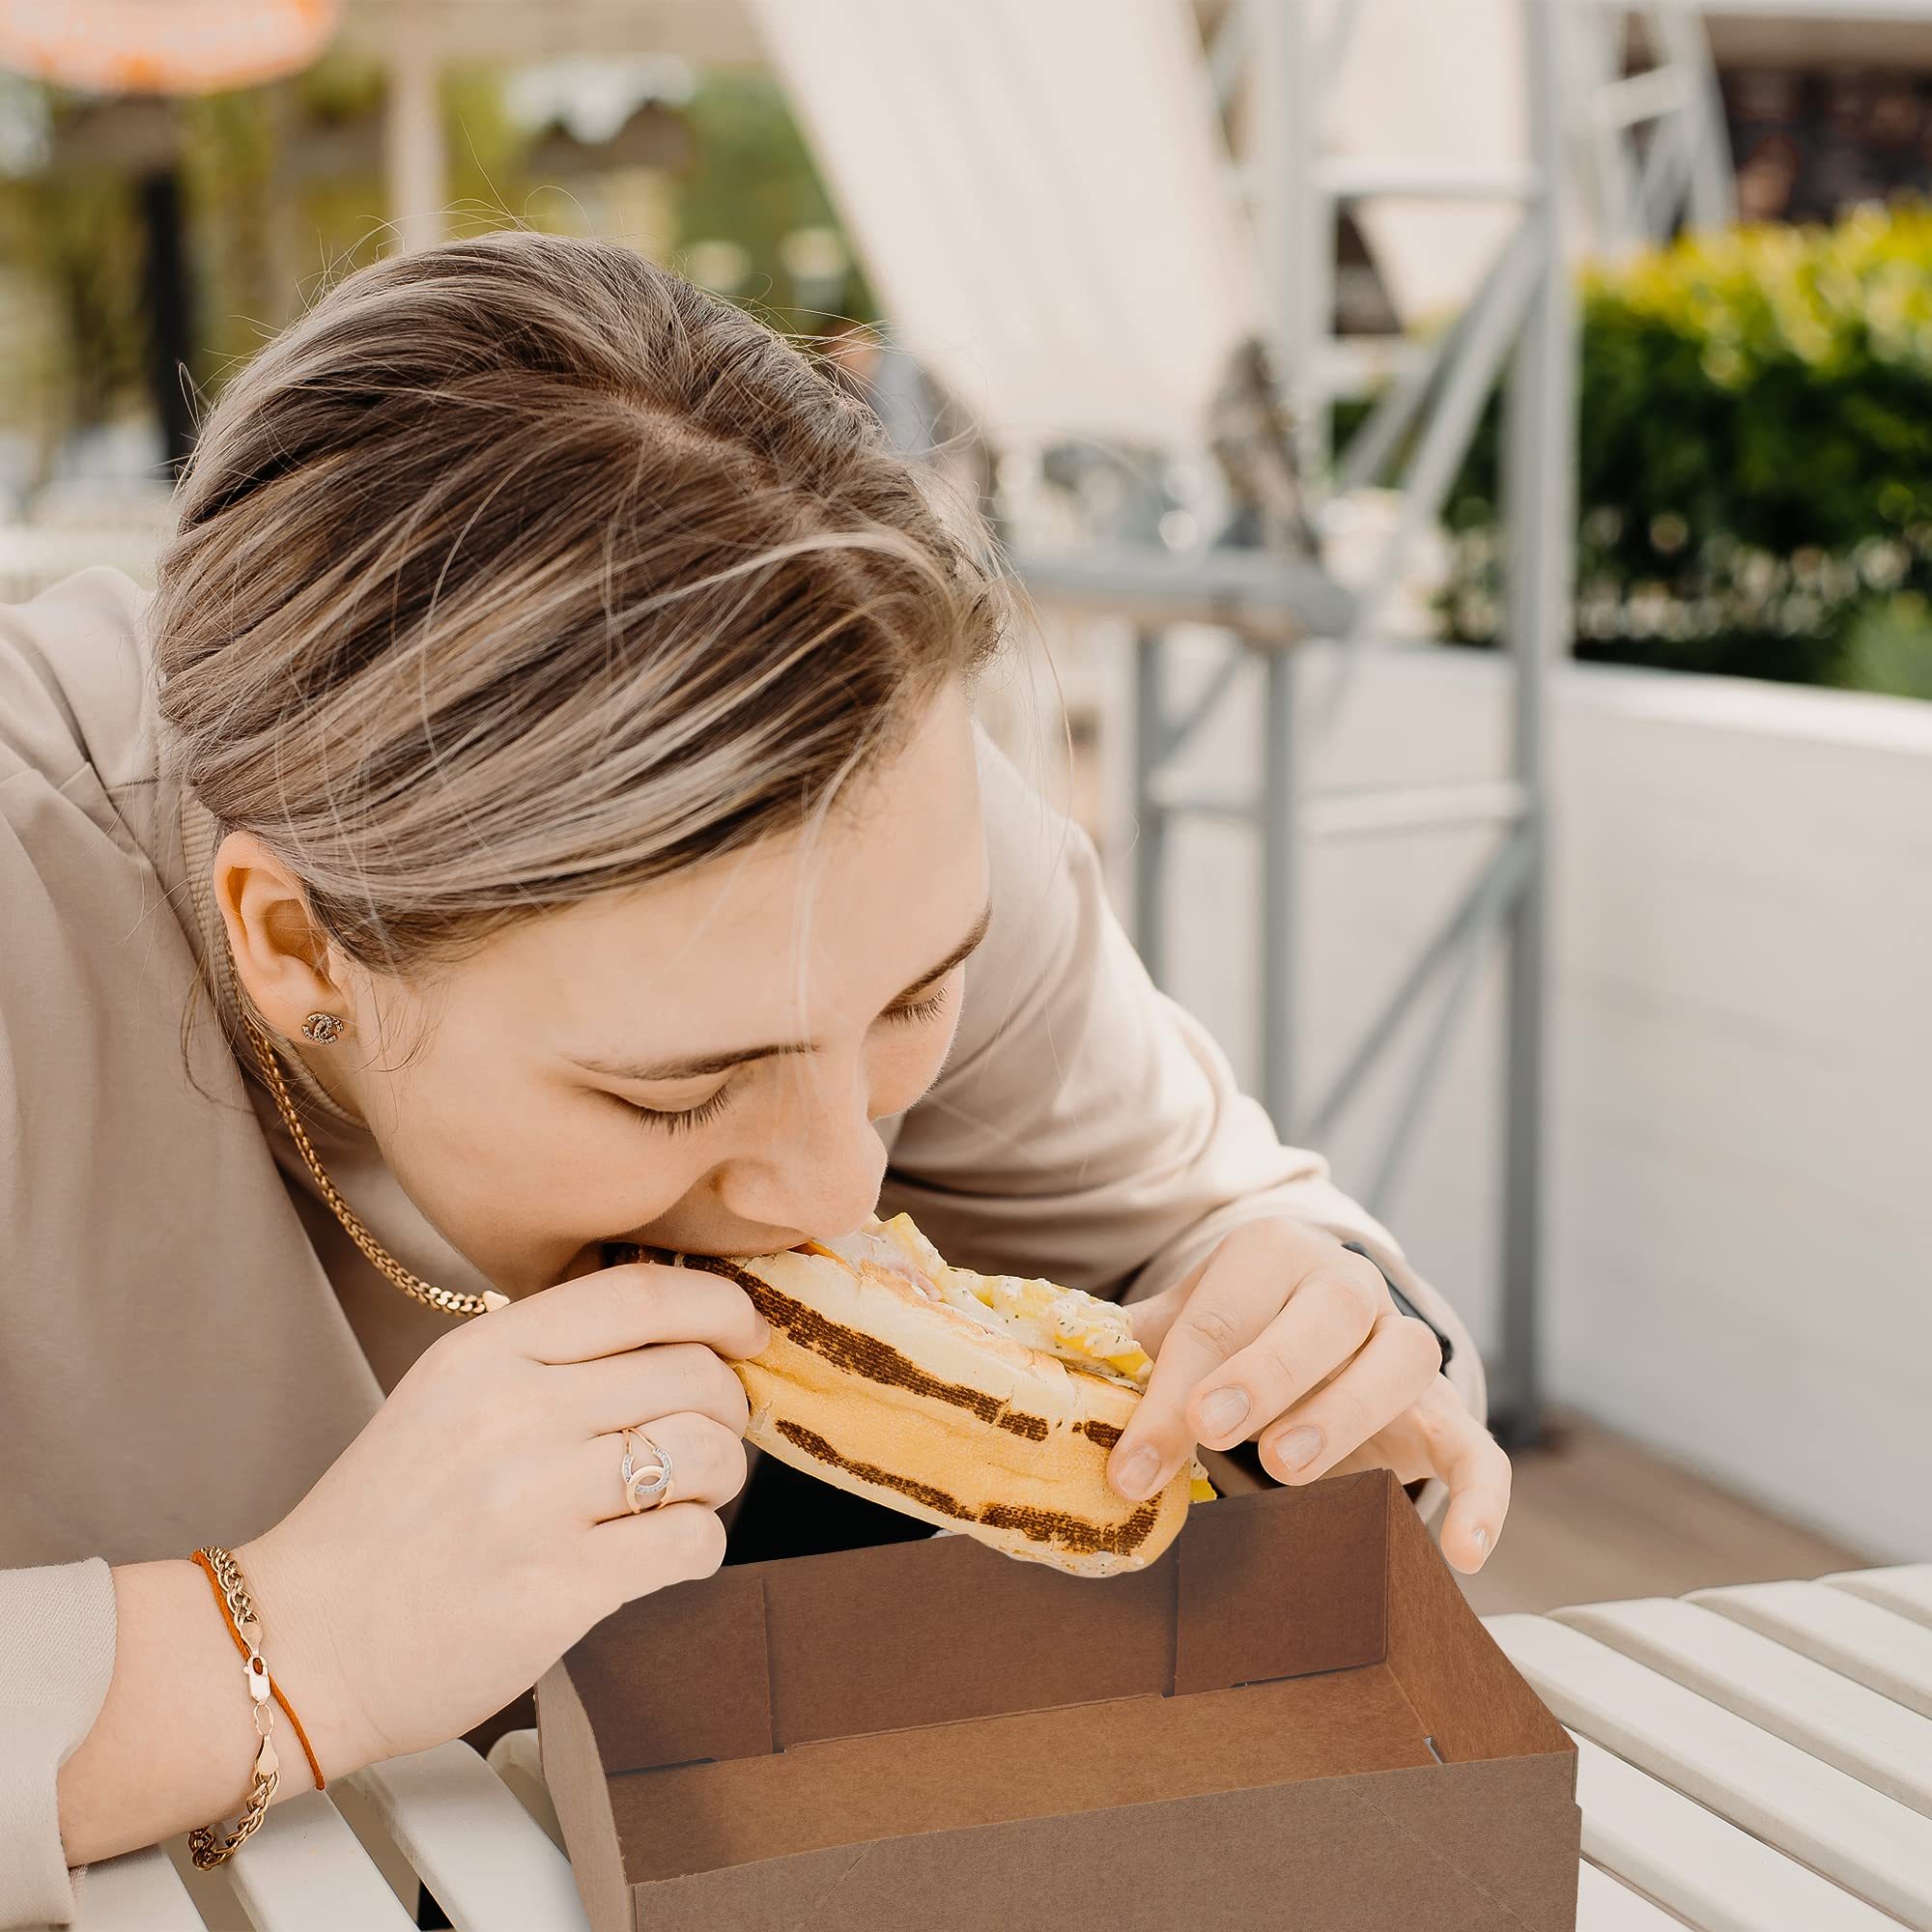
pixel 541 807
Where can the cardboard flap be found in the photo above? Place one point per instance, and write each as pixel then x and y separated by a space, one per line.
pixel 679 1676
pixel 1273 1587
pixel 867 1640
pixel 1466 1693
pixel 764 1656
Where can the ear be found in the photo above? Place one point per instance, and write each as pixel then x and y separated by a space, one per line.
pixel 281 955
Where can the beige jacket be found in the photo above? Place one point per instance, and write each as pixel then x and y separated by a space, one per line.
pixel 173 1292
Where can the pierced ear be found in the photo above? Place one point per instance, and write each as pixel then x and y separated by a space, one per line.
pixel 281 955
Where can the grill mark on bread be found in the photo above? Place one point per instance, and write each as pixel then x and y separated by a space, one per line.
pixel 1076 1535
pixel 862 1354
pixel 1097 1431
pixel 821 1451
pixel 1072 1533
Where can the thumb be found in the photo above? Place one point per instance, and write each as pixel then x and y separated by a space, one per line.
pixel 1151 1318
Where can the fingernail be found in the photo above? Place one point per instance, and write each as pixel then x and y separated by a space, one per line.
pixel 1298 1448
pixel 1480 1537
pixel 1137 1474
pixel 1224 1412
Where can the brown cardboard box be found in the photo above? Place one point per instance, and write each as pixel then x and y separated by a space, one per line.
pixel 1292 1720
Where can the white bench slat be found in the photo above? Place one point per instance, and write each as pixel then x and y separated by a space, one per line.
pixel 1869 1843
pixel 306 1871
pixel 1604 1905
pixel 138 1891
pixel 1779 1690
pixel 488 1861
pixel 1700 1866
pixel 1905 1590
pixel 1882 1650
pixel 516 1758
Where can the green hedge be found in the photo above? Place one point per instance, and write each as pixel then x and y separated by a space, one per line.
pixel 1755 459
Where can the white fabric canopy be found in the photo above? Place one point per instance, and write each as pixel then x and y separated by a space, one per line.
pixel 1442 86
pixel 1040 195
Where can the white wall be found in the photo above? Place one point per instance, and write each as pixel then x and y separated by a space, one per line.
pixel 1739 1265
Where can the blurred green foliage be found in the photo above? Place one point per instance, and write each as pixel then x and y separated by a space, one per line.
pixel 264 235
pixel 74 244
pixel 753 184
pixel 1755 459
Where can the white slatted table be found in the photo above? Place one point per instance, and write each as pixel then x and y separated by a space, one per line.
pixel 1755 1759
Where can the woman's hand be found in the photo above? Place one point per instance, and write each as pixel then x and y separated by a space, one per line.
pixel 1284 1335
pixel 478 1525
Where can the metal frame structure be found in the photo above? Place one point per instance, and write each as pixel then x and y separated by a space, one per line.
pixel 1518 327
pixel 1654 149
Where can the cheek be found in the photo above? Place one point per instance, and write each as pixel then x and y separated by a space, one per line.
pixel 494 1152
pixel 904 1063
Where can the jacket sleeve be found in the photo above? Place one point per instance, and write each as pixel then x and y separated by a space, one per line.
pixel 57 1634
pixel 57 1621
pixel 1088 1129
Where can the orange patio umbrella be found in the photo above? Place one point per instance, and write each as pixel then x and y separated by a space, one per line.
pixel 163 46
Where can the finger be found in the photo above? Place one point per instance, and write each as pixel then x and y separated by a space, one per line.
pixel 1438 1437
pixel 628 1307
pixel 1418 1443
pixel 677 1543
pixel 1328 1318
pixel 707 1465
pixel 1398 1447
pixel 1391 1372
pixel 1471 1461
pixel 604 1395
pixel 1239 1290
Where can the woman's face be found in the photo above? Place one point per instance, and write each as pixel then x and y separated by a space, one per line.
pixel 667 1066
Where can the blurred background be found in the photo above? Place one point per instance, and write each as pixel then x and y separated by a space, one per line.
pixel 1471 467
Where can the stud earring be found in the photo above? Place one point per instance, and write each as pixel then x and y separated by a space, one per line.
pixel 322 1027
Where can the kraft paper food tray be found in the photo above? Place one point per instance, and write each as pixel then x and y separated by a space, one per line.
pixel 1291 1720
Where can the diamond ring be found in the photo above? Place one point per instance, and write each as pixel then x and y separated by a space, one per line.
pixel 649 1485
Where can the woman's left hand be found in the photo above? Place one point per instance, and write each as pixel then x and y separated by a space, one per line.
pixel 1285 1335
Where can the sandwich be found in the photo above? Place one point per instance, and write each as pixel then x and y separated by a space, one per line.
pixel 981 1403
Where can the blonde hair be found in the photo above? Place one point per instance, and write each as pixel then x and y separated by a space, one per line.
pixel 520 570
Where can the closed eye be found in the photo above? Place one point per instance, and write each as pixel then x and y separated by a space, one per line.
pixel 682 1121
pixel 928 1008
pixel 677 1122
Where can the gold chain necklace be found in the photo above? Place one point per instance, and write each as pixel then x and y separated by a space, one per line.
pixel 445 1299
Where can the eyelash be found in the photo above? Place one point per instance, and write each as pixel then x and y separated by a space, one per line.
pixel 928 1009
pixel 683 1122
pixel 707 1111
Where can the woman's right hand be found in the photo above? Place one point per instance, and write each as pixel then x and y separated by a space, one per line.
pixel 478 1526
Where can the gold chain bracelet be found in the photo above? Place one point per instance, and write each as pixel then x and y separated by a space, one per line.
pixel 204 1842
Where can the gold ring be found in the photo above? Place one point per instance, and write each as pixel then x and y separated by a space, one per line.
pixel 649 1487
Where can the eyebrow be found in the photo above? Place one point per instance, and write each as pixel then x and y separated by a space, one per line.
pixel 693 1066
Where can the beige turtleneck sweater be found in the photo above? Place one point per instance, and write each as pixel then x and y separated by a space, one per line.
pixel 175 1298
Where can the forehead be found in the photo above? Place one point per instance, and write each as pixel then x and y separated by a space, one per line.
pixel 888 884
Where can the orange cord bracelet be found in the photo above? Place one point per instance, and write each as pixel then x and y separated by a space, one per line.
pixel 241 1644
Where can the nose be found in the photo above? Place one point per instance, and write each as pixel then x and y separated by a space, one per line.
pixel 822 1183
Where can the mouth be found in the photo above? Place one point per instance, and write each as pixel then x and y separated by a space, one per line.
pixel 596 1254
